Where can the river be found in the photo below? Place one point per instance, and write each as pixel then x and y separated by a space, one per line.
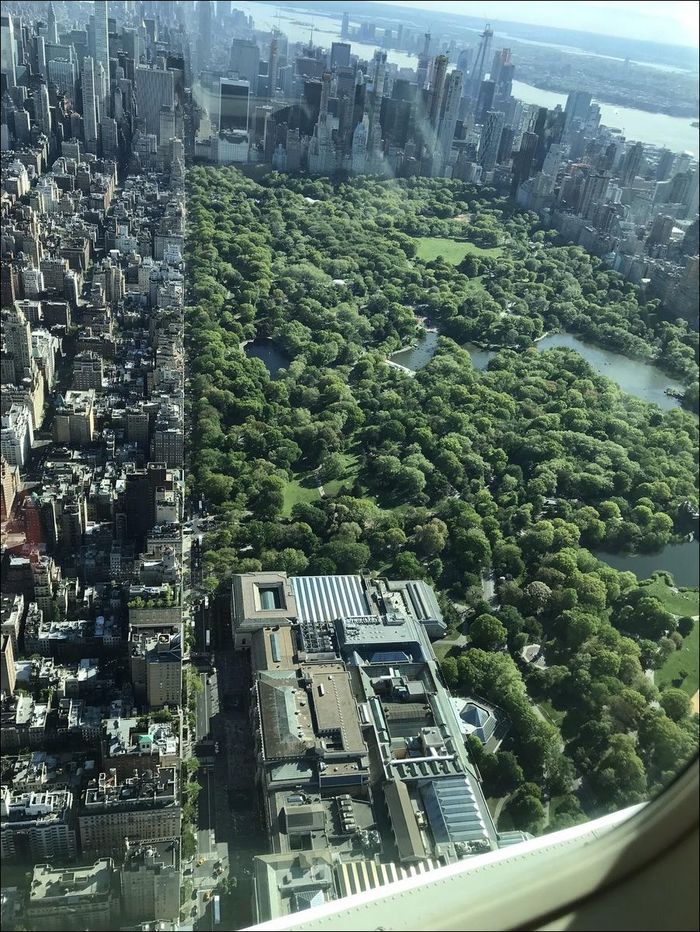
pixel 682 560
pixel 656 129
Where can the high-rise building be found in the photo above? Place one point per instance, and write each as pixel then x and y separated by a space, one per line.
pixel 577 106
pixel 89 104
pixel 478 70
pixel 522 161
pixel 204 17
pixel 490 140
pixel 150 880
pixel 52 35
pixel 661 230
pixel 437 88
pixel 82 897
pixel 234 105
pixel 17 435
pixel 345 27
pixel 18 339
pixel 484 101
pixel 8 49
pixel 140 807
pixel 37 824
pixel 42 107
pixel 273 68
pixel 631 164
pixel 423 62
pixel 245 61
pixel 665 164
pixel 594 192
pixel 102 51
pixel 340 55
pixel 8 673
pixel 63 73
pixel 448 123
pixel 155 88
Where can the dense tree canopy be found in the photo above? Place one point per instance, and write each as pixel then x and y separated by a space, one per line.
pixel 521 470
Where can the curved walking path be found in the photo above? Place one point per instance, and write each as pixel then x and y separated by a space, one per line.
pixel 695 702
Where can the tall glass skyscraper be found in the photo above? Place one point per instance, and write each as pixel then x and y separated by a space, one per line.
pixel 102 48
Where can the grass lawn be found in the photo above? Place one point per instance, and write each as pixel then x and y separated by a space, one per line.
pixel 553 715
pixel 430 247
pixel 684 659
pixel 445 647
pixel 297 491
pixel 344 484
pixel 678 603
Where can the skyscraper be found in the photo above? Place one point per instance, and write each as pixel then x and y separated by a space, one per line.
pixel 102 51
pixel 234 105
pixel 594 192
pixel 41 105
pixel 18 339
pixel 490 140
pixel 448 123
pixel 272 68
pixel 340 55
pixel 522 161
pixel 53 25
pixel 345 27
pixel 577 106
pixel 479 67
pixel 484 102
pixel 245 61
pixel 204 14
pixel 665 164
pixel 8 49
pixel 437 88
pixel 89 104
pixel 631 164
pixel 375 129
pixel 154 88
pixel 423 62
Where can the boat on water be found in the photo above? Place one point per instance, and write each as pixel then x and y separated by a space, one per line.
pixel 695 124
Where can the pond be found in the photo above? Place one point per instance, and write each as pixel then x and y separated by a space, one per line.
pixel 682 560
pixel 273 357
pixel 415 357
pixel 638 378
pixel 480 357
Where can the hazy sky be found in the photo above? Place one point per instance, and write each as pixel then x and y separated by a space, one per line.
pixel 673 21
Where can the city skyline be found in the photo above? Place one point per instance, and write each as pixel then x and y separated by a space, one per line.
pixel 669 21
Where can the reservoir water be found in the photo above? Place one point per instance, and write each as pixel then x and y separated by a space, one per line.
pixel 682 560
pixel 637 378
pixel 267 351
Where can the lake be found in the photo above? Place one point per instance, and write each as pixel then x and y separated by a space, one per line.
pixel 633 376
pixel 273 357
pixel 682 560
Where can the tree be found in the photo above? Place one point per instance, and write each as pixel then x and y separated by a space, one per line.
pixel 487 633
pixel 430 538
pixel 685 625
pixel 538 595
pixel 524 810
pixel 675 703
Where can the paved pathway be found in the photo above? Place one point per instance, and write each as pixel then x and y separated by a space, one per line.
pixel 695 701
